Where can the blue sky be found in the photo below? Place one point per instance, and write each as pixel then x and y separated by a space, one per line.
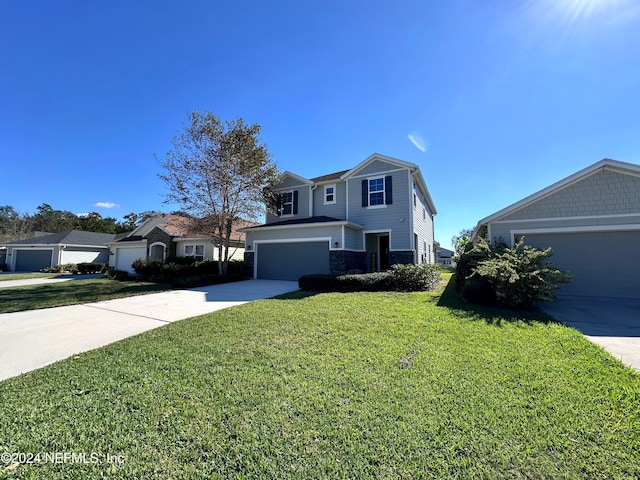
pixel 494 99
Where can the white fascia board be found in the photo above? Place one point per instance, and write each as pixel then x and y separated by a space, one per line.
pixel 604 164
pixel 306 225
pixel 372 158
pixel 304 181
pixel 417 174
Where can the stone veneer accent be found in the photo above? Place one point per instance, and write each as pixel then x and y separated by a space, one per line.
pixel 405 257
pixel 343 261
pixel 157 235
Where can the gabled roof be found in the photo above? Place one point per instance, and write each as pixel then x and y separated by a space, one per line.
pixel 377 156
pixel 186 227
pixel 329 177
pixel 604 164
pixel 70 237
pixel 296 177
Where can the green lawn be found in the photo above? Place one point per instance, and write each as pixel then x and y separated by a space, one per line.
pixel 367 385
pixel 32 297
pixel 27 276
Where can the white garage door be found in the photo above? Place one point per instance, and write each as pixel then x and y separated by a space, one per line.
pixel 125 256
pixel 604 263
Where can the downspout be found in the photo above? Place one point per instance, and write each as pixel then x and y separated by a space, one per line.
pixel 312 189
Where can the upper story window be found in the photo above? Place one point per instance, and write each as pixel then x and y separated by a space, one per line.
pixel 377 191
pixel 329 194
pixel 288 203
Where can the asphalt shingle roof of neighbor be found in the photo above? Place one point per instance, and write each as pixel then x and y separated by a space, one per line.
pixel 72 237
pixel 301 221
pixel 329 177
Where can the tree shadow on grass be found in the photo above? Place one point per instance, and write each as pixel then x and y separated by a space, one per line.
pixel 491 314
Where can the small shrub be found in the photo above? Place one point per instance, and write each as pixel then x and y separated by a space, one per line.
pixel 62 268
pixel 366 282
pixel 120 275
pixel 91 267
pixel 414 278
pixel 3 267
pixel 148 268
pixel 478 290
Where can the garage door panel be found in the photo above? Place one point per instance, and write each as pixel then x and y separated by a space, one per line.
pixel 32 260
pixel 126 256
pixel 289 261
pixel 604 263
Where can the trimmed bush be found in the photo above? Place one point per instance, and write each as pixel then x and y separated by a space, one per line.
pixel 149 269
pixel 92 267
pixel 62 268
pixel 154 270
pixel 414 278
pixel 401 277
pixel 120 275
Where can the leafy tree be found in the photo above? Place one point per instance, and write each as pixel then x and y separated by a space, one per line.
pixel 462 242
pixel 219 172
pixel 94 222
pixel 47 219
pixel 13 226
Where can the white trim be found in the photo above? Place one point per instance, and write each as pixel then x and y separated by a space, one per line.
pixel 585 217
pixel 311 202
pixel 583 229
pixel 302 225
pixel 324 193
pixel 304 181
pixel 377 174
pixel 376 156
pixel 155 244
pixel 257 243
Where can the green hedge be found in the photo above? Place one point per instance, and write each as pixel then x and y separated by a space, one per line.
pixel 400 278
pixel 91 267
pixel 154 270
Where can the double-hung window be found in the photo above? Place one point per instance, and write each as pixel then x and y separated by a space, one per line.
pixel 286 207
pixel 194 251
pixel 376 191
pixel 329 194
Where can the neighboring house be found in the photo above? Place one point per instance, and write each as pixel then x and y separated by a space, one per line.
pixel 444 256
pixel 367 218
pixel 591 219
pixel 74 246
pixel 164 236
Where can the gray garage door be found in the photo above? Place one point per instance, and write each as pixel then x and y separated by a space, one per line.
pixel 32 260
pixel 289 261
pixel 604 263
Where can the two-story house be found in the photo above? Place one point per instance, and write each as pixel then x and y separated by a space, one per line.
pixel 364 219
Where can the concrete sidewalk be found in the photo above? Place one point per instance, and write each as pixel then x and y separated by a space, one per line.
pixel 35 338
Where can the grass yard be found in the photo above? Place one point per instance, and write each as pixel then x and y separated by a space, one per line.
pixel 32 297
pixel 366 385
pixel 27 276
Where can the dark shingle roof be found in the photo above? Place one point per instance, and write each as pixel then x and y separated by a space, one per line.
pixel 72 237
pixel 301 221
pixel 329 177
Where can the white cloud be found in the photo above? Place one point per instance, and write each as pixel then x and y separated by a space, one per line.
pixel 105 204
pixel 418 141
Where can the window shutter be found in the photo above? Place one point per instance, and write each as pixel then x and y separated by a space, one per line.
pixel 278 204
pixel 295 202
pixel 365 193
pixel 388 190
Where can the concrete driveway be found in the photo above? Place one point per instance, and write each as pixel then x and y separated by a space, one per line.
pixel 613 323
pixel 33 339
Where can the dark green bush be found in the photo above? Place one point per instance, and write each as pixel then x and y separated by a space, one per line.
pixel 62 268
pixel 478 290
pixel 120 275
pixel 366 282
pixel 414 278
pixel 148 268
pixel 522 275
pixel 91 267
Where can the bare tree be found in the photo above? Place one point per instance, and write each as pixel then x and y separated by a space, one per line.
pixel 219 172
